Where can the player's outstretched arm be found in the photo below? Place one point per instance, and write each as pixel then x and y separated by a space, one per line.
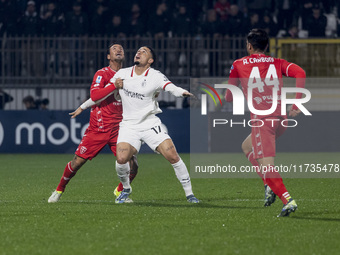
pixel 87 104
pixel 176 91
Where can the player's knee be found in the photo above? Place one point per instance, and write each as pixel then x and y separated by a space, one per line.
pixel 173 158
pixel 77 162
pixel 122 159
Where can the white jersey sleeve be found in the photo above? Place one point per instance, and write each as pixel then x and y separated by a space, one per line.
pixel 176 91
pixel 168 86
pixel 87 104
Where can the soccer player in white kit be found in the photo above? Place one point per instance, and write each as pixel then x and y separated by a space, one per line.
pixel 139 90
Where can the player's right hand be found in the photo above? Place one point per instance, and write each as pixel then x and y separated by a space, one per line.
pixel 76 113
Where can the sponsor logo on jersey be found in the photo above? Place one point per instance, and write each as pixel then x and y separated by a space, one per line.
pixel 258 100
pixel 99 78
pixel 144 83
pixel 133 94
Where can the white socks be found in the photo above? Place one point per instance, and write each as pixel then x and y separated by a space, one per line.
pixel 123 171
pixel 183 176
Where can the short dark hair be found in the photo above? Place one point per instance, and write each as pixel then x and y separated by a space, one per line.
pixel 154 57
pixel 108 48
pixel 258 38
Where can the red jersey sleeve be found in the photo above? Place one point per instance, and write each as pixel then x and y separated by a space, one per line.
pixel 294 71
pixel 233 80
pixel 100 86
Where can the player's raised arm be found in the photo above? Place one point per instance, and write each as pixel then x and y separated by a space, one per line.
pixel 100 91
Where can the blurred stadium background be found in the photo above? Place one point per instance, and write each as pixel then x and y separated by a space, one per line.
pixel 50 50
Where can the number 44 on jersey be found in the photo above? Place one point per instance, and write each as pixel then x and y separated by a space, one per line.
pixel 271 80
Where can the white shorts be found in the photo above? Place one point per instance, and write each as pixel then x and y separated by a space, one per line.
pixel 152 136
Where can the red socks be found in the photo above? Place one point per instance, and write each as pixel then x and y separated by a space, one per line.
pixel 271 178
pixel 120 186
pixel 254 162
pixel 68 174
pixel 274 180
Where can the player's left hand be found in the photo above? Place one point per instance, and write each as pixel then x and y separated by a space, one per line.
pixel 294 113
pixel 188 94
pixel 76 113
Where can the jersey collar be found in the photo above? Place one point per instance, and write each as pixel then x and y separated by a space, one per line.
pixel 146 72
pixel 257 55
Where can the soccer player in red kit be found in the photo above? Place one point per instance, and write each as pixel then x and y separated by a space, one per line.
pixel 263 75
pixel 104 122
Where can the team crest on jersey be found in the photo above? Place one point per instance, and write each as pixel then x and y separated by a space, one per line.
pixel 144 83
pixel 83 149
pixel 99 78
pixel 231 68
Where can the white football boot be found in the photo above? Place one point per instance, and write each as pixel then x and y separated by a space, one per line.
pixel 54 198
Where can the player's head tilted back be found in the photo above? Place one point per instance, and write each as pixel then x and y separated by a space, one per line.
pixel 115 53
pixel 145 56
pixel 257 41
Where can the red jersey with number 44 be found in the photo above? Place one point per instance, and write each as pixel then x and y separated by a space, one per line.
pixel 107 114
pixel 262 73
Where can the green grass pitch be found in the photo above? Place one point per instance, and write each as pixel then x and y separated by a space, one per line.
pixel 230 219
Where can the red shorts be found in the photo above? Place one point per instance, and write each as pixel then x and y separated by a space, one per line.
pixel 263 137
pixel 93 142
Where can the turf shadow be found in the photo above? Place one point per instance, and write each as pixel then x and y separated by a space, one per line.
pixel 200 205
